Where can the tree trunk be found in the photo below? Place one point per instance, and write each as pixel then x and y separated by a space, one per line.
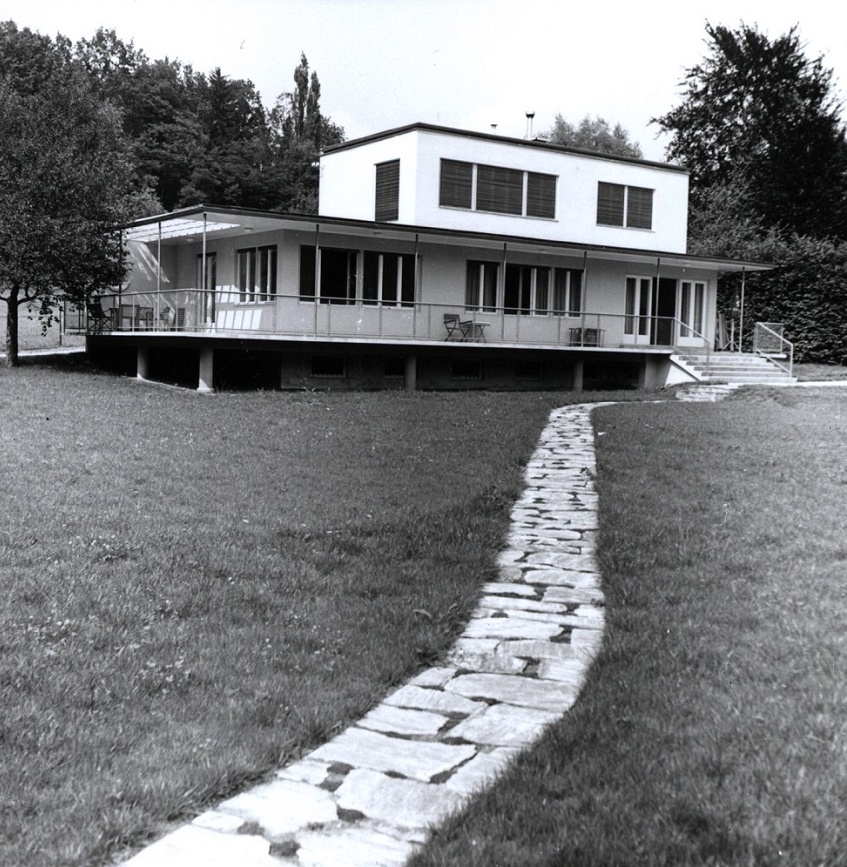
pixel 12 305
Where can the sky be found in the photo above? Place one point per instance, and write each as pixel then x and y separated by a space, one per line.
pixel 469 64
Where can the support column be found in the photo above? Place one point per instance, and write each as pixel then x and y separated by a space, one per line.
pixel 578 368
pixel 142 364
pixel 411 372
pixel 207 370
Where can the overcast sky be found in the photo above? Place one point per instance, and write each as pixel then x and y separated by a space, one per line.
pixel 461 63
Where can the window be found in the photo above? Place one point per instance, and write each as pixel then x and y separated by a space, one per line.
pixel 338 275
pixel 456 188
pixel 256 273
pixel 691 298
pixel 387 205
pixel 388 279
pixel 614 201
pixel 207 279
pixel 637 305
pixel 481 286
pixel 567 292
pixel 466 368
pixel 497 189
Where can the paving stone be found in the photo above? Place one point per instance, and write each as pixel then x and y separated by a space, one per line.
pixel 480 771
pixel 361 847
pixel 489 662
pixel 507 587
pixel 305 771
pixel 404 721
pixel 513 689
pixel 509 603
pixel 538 650
pixel 191 846
pixel 573 562
pixel 213 820
pixel 433 677
pixel 505 725
pixel 569 671
pixel 573 595
pixel 433 699
pixel 282 806
pixel 510 627
pixel 418 760
pixel 404 803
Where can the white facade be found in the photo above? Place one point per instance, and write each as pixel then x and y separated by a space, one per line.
pixel 348 175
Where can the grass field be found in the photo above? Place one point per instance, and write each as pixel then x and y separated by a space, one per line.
pixel 713 726
pixel 196 589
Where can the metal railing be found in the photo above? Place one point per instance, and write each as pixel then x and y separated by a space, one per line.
pixel 769 341
pixel 222 312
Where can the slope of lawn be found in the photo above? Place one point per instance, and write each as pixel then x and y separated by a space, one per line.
pixel 196 589
pixel 713 727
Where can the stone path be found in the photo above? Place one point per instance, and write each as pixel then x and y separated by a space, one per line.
pixel 369 796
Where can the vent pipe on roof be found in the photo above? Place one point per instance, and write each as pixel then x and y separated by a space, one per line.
pixel 529 116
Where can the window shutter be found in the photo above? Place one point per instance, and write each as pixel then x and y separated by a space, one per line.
pixel 387 191
pixel 499 190
pixel 540 195
pixel 610 204
pixel 456 184
pixel 639 208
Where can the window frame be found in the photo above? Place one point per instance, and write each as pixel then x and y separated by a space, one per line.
pixel 253 261
pixel 401 266
pixel 387 191
pixel 482 285
pixel 478 186
pixel 625 206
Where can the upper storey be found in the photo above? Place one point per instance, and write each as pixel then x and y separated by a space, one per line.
pixel 424 175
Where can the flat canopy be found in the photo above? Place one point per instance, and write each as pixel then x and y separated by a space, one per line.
pixel 192 223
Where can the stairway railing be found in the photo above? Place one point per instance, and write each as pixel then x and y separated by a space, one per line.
pixel 769 342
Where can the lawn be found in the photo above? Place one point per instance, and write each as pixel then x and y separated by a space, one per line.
pixel 712 729
pixel 197 589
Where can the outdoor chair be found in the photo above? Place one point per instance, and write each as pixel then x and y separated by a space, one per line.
pixel 453 325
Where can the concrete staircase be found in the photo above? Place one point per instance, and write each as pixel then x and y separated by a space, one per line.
pixel 733 368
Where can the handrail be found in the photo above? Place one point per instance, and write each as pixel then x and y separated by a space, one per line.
pixel 184 310
pixel 783 342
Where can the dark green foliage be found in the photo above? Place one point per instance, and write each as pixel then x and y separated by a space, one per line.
pixel 593 135
pixel 65 180
pixel 760 113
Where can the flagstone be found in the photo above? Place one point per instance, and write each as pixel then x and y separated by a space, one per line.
pixel 403 721
pixel 434 700
pixel 513 689
pixel 481 770
pixel 362 847
pixel 282 806
pixel 195 845
pixel 510 627
pixel 504 725
pixel 418 760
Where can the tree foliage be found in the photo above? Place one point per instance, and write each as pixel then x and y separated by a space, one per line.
pixel 757 114
pixel 65 181
pixel 594 134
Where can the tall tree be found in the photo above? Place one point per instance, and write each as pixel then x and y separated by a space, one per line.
pixel 65 179
pixel 300 131
pixel 595 134
pixel 757 113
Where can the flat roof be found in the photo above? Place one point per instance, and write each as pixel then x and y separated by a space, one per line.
pixel 493 137
pixel 189 224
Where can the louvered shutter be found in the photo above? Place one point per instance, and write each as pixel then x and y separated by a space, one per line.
pixel 387 191
pixel 540 195
pixel 499 190
pixel 639 208
pixel 456 184
pixel 610 204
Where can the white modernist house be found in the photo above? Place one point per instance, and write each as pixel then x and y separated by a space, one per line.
pixel 440 258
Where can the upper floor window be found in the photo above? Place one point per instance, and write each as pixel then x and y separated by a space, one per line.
pixel 387 205
pixel 619 205
pixel 256 273
pixel 497 189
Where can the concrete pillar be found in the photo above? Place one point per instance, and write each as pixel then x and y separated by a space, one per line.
pixel 578 368
pixel 411 372
pixel 142 363
pixel 207 370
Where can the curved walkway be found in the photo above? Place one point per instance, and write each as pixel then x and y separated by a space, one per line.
pixel 369 796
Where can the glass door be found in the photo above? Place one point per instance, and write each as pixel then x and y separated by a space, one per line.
pixel 638 301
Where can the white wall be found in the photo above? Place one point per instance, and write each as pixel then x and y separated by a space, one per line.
pixel 347 189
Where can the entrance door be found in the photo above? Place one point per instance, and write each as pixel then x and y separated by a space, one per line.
pixel 639 298
pixel 664 311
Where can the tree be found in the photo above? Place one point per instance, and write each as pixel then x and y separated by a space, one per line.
pixel 593 135
pixel 299 133
pixel 757 113
pixel 65 182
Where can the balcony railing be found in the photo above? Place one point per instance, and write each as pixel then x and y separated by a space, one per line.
pixel 198 312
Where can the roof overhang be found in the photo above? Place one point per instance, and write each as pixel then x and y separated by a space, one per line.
pixel 189 225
